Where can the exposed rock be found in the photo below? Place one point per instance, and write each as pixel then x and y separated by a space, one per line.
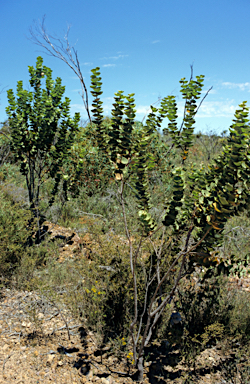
pixel 105 381
pixel 71 242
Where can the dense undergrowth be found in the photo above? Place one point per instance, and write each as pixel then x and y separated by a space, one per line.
pixel 98 289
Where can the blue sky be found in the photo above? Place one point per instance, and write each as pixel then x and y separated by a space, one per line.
pixel 142 47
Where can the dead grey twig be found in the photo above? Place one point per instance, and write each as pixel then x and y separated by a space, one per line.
pixel 63 51
pixel 5 360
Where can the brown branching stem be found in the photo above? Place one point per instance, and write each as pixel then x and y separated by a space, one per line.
pixel 153 315
pixel 157 312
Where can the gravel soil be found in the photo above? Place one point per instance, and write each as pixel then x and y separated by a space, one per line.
pixel 41 343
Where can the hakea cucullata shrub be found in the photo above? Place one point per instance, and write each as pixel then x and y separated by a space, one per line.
pixel 42 132
pixel 201 203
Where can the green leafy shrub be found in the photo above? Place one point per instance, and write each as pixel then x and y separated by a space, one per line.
pixel 42 132
pixel 238 324
pixel 32 260
pixel 236 244
pixel 14 235
pixel 87 167
pixel 201 203
pixel 10 172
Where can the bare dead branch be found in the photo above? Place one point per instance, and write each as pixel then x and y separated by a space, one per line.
pixel 204 98
pixel 62 50
pixel 5 360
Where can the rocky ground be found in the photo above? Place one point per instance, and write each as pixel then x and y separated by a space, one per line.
pixel 40 342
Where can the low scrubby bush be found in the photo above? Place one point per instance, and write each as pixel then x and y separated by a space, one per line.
pixel 14 235
pixel 211 311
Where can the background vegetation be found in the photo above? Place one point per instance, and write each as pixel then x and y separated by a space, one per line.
pixel 97 281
